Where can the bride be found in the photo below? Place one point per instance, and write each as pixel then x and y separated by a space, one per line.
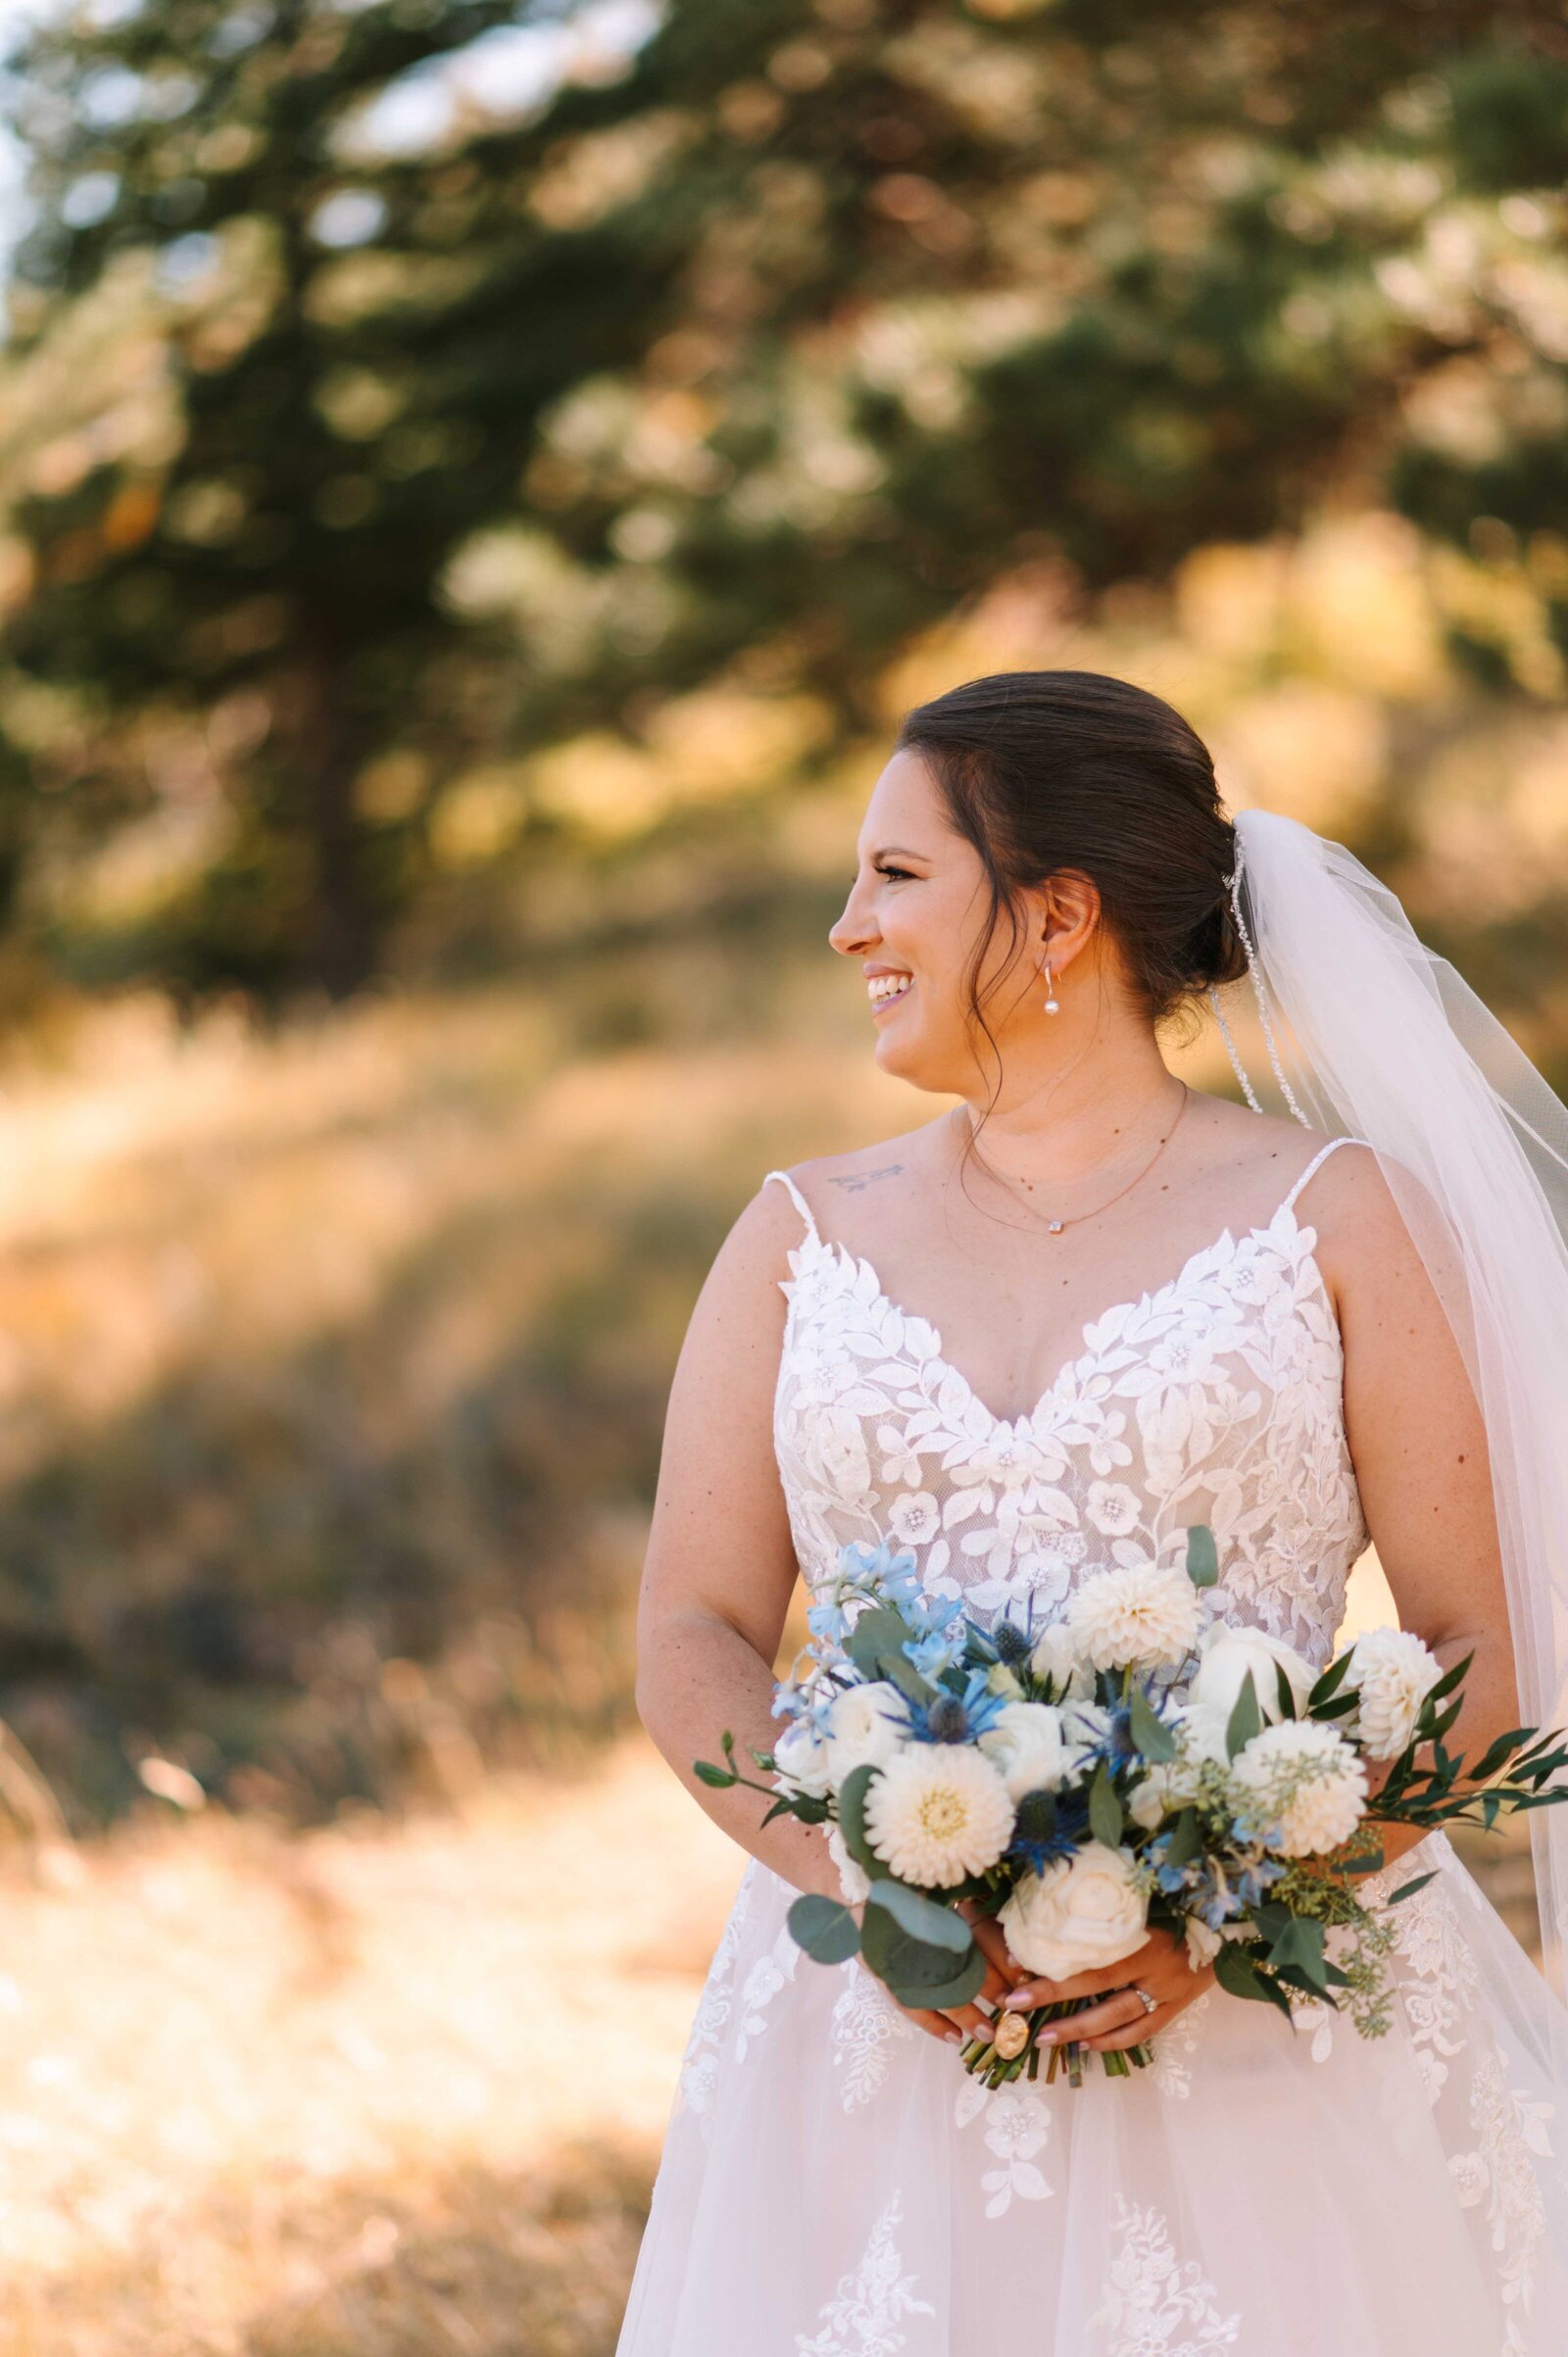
pixel 1044 1332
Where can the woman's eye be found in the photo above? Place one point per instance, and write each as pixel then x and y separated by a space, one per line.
pixel 895 871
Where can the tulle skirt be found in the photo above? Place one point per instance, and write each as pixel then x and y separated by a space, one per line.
pixel 833 2184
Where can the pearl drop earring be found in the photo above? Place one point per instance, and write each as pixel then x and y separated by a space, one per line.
pixel 1052 1004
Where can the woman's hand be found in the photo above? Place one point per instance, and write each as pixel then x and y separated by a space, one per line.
pixel 956 2024
pixel 1120 2019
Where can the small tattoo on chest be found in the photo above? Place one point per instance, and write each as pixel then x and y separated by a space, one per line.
pixel 855 1180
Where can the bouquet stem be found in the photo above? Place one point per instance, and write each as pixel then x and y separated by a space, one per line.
pixel 981 2059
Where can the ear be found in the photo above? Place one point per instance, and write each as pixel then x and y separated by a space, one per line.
pixel 1064 918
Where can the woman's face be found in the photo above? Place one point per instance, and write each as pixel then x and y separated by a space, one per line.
pixel 919 903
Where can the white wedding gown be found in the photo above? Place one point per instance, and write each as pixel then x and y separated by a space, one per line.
pixel 833 2184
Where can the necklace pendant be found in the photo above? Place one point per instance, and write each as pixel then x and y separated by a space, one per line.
pixel 1054 1226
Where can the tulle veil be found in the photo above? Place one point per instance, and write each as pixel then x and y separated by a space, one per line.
pixel 1373 1035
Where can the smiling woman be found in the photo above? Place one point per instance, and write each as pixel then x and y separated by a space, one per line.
pixel 1024 1364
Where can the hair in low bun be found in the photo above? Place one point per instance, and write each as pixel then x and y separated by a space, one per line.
pixel 1046 770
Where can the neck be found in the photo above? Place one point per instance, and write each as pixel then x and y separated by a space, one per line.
pixel 1093 1103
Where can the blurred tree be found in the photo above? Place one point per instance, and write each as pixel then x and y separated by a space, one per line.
pixel 759 353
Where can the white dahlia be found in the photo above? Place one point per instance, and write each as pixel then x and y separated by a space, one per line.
pixel 1305 1783
pixel 938 1812
pixel 1138 1616
pixel 1392 1672
pixel 865 1726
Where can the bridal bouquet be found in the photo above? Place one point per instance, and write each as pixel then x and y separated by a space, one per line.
pixel 1134 1762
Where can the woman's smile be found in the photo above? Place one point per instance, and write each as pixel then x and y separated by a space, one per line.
pixel 885 989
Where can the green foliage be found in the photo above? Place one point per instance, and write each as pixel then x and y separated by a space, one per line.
pixel 1203 1555
pixel 769 352
pixel 824 1928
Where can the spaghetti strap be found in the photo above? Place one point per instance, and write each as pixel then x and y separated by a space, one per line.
pixel 1321 1156
pixel 801 1203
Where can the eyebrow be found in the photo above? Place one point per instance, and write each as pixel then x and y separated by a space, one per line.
pixel 902 851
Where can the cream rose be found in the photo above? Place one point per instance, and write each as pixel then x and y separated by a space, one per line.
pixel 1028 1744
pixel 1226 1657
pixel 800 1760
pixel 865 1726
pixel 1055 1656
pixel 1083 1912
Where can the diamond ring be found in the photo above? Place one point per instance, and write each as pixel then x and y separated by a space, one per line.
pixel 1150 2004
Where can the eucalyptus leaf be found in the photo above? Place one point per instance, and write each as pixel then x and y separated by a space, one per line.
pixel 900 1672
pixel 901 1961
pixel 922 1917
pixel 965 1984
pixel 1203 1555
pixel 877 1631
pixel 823 1927
pixel 851 1821
pixel 1409 1889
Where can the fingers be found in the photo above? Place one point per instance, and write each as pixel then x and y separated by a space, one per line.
pixel 1003 1965
pixel 1122 2010
pixel 1035 1991
pixel 1135 2033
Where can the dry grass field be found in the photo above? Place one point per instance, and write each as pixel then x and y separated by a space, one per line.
pixel 384 2087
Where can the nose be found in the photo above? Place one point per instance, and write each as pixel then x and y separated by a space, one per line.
pixel 854 932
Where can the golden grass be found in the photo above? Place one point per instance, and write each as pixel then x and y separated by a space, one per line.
pixel 377 2086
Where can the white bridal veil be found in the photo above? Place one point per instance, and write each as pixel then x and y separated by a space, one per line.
pixel 1373 1035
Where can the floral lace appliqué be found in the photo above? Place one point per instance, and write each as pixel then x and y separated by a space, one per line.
pixel 698 2069
pixel 863 2317
pixel 1215 1399
pixel 1155 2305
pixel 1017 2125
pixel 866 2024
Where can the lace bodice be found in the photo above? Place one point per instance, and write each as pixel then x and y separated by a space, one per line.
pixel 1216 1398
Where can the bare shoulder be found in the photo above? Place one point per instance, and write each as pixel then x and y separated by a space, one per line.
pixel 1362 1211
pixel 828 1178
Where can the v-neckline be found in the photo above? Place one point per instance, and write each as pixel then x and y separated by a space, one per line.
pixel 845 1260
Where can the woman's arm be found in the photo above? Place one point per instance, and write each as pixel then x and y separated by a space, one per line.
pixel 720 1563
pixel 1418 1443
pixel 720 1566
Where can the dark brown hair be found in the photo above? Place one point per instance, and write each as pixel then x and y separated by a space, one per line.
pixel 1047 770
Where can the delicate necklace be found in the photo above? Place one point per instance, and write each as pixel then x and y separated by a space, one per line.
pixel 1053 1226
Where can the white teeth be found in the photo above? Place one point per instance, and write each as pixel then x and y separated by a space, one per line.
pixel 882 987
